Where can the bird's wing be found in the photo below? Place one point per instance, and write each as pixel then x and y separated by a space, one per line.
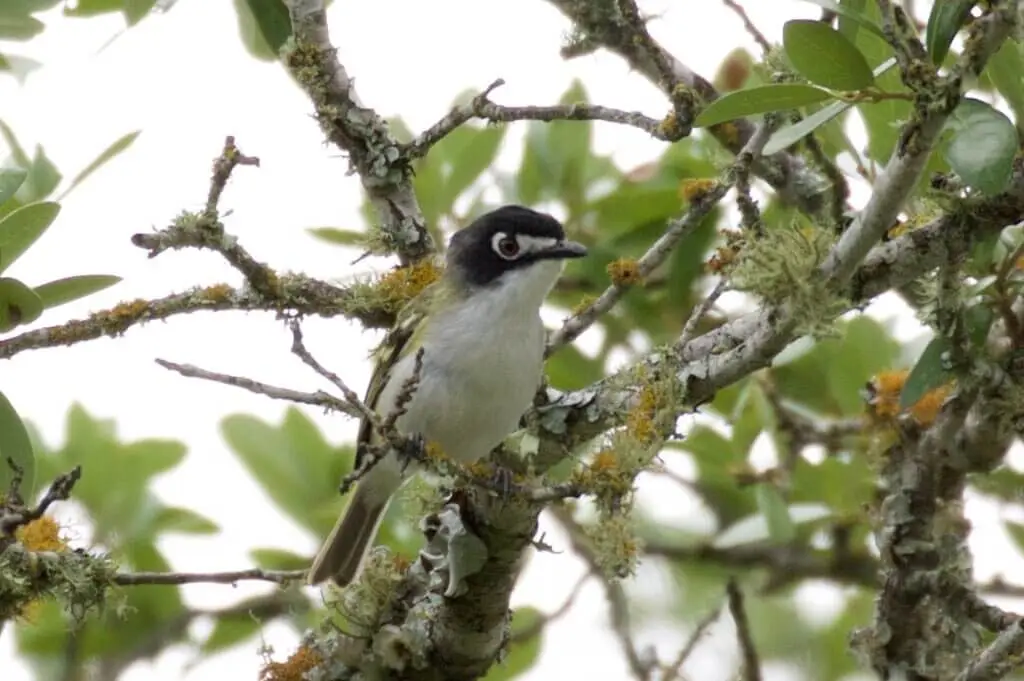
pixel 398 342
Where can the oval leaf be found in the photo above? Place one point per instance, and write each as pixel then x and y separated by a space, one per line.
pixel 16 445
pixel 1005 71
pixel 10 180
pixel 791 134
pixel 928 374
pixel 18 304
pixel 60 291
pixel 118 146
pixel 759 100
pixel 851 16
pixel 20 228
pixel 824 56
pixel 947 17
pixel 983 146
pixel 773 507
pixel 342 237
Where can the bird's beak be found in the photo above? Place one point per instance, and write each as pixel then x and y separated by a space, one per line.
pixel 566 249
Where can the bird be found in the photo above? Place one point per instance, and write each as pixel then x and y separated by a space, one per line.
pixel 483 340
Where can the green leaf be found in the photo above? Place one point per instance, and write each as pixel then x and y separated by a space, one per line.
pixel 43 178
pixel 570 369
pixel 1016 532
pixel 557 162
pixel 17 151
pixel 278 559
pixel 91 8
pixel 20 229
pixel 61 291
pixel 773 507
pixel 265 25
pixel 791 134
pixel 10 180
pixel 523 654
pixel 851 16
pixel 825 56
pixel 230 630
pixel 865 349
pixel 982 149
pixel 136 10
pixel 341 237
pixel 116 147
pixel 468 152
pixel 1006 74
pixel 16 23
pixel 882 119
pixel 19 67
pixel 295 466
pixel 756 528
pixel 18 304
pixel 183 521
pixel 759 100
pixel 946 19
pixel 15 444
pixel 929 373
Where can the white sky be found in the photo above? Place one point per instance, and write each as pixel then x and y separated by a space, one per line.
pixel 186 80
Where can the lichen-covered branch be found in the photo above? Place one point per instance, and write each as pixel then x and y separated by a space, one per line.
pixel 356 129
pixel 617 25
pixel 296 294
pixel 482 107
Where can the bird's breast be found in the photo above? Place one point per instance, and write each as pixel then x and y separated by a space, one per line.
pixel 474 387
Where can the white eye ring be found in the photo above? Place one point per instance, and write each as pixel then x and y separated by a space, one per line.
pixel 507 247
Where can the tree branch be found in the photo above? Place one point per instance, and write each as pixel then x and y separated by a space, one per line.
pixel 617 25
pixel 373 153
pixel 276 576
pixel 481 107
pixel 298 294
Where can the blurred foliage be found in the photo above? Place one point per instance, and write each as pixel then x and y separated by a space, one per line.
pixel 807 502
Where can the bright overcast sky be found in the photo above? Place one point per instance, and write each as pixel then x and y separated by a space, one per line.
pixel 186 81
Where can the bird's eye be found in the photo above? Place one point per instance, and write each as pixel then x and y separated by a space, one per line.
pixel 506 246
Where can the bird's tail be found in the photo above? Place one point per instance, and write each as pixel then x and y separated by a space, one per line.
pixel 343 552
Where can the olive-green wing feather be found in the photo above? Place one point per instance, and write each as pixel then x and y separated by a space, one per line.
pixel 399 342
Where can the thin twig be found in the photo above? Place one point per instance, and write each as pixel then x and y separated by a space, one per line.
pixel 658 253
pixel 481 107
pixel 751 663
pixel 672 671
pixel 648 262
pixel 998 659
pixel 754 32
pixel 698 313
pixel 299 349
pixel 317 399
pixel 257 574
pixel 60 490
pixel 223 166
pixel 538 625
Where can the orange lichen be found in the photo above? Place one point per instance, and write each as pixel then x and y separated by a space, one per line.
pixel 42 534
pixel 723 257
pixel 624 272
pixel 640 419
pixel 926 409
pixel 694 190
pixel 216 293
pixel 402 284
pixel 884 391
pixel 294 668
pixel 603 477
pixel 585 302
